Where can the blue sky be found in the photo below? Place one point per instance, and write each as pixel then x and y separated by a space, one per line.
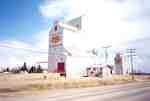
pixel 25 24
pixel 20 19
pixel 24 29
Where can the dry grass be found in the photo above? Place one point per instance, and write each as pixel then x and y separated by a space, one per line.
pixel 33 82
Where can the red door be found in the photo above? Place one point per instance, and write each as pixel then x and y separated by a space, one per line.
pixel 61 68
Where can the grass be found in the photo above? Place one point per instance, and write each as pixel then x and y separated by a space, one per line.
pixel 37 82
pixel 78 83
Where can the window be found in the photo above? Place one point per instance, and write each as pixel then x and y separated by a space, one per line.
pixel 56 28
pixel 94 69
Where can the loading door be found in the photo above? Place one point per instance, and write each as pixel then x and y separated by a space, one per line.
pixel 61 68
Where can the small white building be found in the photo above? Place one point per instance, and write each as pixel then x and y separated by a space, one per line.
pixel 107 71
pixel 99 71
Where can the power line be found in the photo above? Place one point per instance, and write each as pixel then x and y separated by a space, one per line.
pixel 131 53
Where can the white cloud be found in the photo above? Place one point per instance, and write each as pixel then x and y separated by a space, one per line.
pixel 106 17
pixel 106 22
pixel 13 52
pixel 54 9
pixel 41 40
pixel 113 22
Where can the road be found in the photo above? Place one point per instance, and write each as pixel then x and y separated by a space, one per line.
pixel 126 92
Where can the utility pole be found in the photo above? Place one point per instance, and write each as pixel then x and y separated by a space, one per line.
pixel 131 53
pixel 106 53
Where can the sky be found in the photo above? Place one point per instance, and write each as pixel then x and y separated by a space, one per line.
pixel 24 25
pixel 21 29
